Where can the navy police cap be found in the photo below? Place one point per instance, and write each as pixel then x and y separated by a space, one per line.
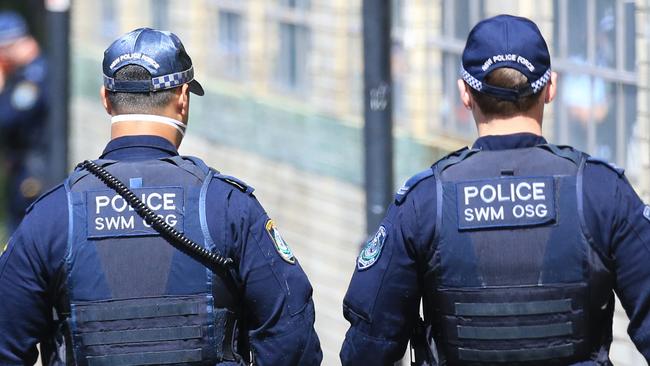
pixel 12 27
pixel 506 41
pixel 161 53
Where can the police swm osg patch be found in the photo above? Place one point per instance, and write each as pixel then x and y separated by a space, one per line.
pixel 505 202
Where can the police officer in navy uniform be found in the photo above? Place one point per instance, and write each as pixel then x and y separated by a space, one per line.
pixel 514 246
pixel 23 112
pixel 121 294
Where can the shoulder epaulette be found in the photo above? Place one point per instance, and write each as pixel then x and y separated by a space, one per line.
pixel 453 158
pixel 31 206
pixel 618 170
pixel 410 183
pixel 235 182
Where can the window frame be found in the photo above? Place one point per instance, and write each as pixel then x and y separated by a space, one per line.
pixel 221 67
pixel 445 44
pixel 160 18
pixel 617 75
pixel 297 17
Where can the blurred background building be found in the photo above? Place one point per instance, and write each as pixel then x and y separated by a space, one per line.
pixel 283 108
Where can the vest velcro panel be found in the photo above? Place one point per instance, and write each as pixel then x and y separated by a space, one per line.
pixel 513 321
pixel 149 331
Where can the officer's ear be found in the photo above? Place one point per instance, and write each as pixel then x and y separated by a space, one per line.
pixel 551 88
pixel 465 95
pixel 183 101
pixel 105 101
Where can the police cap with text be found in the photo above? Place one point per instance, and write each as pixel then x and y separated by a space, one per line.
pixel 506 41
pixel 161 53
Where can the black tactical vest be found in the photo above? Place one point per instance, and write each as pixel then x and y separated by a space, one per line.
pixel 516 279
pixel 132 298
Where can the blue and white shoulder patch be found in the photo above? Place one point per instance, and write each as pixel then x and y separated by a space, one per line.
pixel 281 246
pixel 372 250
pixel 410 183
pixel 235 182
pixel 620 171
pixel 646 212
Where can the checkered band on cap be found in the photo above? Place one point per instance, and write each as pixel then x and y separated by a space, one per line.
pixel 158 83
pixel 472 81
pixel 109 83
pixel 173 80
pixel 538 84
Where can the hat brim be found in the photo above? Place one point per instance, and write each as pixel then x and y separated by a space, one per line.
pixel 196 88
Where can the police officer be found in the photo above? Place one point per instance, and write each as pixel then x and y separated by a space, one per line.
pixel 23 112
pixel 122 294
pixel 514 246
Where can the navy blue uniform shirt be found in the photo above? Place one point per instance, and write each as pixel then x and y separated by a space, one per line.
pixel 382 302
pixel 277 295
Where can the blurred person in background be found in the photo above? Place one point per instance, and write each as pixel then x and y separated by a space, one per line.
pixel 589 98
pixel 122 294
pixel 514 246
pixel 23 114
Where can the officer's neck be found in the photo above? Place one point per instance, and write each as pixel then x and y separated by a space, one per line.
pixel 508 126
pixel 128 126
pixel 529 121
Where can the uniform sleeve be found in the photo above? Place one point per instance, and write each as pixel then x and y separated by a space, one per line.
pixel 382 301
pixel 625 231
pixel 27 267
pixel 23 309
pixel 277 295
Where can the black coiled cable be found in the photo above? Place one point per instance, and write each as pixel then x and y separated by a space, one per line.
pixel 175 238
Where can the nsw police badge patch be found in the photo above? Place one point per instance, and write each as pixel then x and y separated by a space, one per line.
pixel 372 250
pixel 280 245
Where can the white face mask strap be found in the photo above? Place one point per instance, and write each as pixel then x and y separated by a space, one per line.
pixel 150 118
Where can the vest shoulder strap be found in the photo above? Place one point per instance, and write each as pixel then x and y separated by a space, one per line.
pixel 79 173
pixel 564 151
pixel 444 162
pixel 453 158
pixel 618 170
pixel 190 164
pixel 239 184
